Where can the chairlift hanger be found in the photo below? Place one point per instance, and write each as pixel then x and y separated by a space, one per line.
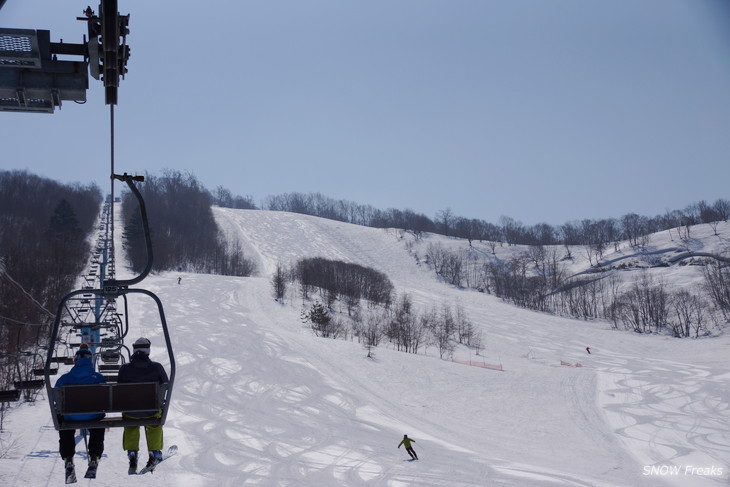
pixel 113 398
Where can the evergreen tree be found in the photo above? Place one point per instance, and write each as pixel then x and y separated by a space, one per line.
pixel 320 320
pixel 278 281
pixel 63 221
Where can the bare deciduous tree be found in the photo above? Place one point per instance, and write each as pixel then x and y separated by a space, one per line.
pixel 717 285
pixel 689 314
pixel 372 332
pixel 278 282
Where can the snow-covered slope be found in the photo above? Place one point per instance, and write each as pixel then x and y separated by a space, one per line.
pixel 260 401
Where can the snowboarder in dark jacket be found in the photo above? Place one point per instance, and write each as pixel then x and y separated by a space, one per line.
pixel 141 369
pixel 407 442
pixel 81 373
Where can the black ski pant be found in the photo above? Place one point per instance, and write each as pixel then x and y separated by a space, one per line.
pixel 412 453
pixel 67 443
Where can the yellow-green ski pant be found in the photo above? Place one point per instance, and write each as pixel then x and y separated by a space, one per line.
pixel 130 437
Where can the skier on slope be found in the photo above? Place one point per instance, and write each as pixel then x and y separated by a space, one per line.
pixel 407 442
pixel 141 369
pixel 81 373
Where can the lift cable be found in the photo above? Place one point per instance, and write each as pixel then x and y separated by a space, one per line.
pixel 24 323
pixel 26 293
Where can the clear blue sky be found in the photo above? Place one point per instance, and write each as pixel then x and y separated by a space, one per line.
pixel 541 110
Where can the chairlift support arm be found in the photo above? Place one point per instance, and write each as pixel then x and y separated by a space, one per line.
pixel 113 283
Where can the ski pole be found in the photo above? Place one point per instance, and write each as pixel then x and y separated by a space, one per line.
pixel 84 431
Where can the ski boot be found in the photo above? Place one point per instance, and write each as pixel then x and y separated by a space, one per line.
pixel 132 455
pixel 70 471
pixel 155 458
pixel 93 465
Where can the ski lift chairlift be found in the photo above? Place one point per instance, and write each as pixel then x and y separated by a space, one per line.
pixel 113 399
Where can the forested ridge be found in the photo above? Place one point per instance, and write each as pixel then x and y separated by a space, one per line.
pixel 44 227
pixel 184 233
pixel 598 233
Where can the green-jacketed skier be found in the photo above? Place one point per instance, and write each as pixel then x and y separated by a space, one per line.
pixel 407 442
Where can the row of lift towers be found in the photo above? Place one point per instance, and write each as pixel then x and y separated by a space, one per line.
pixel 34 79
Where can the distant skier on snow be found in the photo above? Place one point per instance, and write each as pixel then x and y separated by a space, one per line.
pixel 588 349
pixel 407 442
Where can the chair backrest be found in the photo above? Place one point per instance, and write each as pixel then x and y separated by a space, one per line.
pixel 10 395
pixel 109 397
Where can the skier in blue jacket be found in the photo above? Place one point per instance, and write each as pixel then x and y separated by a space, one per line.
pixel 81 373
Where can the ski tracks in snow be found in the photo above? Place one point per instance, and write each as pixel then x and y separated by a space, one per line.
pixel 668 413
pixel 256 430
pixel 274 407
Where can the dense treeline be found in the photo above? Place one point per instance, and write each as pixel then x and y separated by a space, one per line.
pixel 44 229
pixel 598 233
pixel 184 233
pixel 338 279
pixel 316 204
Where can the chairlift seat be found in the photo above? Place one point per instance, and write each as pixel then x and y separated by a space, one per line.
pixel 33 384
pixel 109 398
pixel 11 395
pixel 110 356
pixel 40 372
pixel 84 326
